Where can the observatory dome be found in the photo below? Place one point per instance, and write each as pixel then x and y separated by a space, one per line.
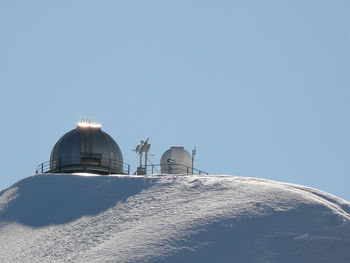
pixel 86 149
pixel 176 160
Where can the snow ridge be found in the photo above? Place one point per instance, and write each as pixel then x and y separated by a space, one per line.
pixel 186 218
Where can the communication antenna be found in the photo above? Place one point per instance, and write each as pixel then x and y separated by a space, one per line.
pixel 143 147
pixel 194 152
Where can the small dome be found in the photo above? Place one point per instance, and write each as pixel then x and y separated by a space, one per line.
pixel 176 160
pixel 86 149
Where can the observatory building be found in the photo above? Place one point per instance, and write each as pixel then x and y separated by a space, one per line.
pixel 86 149
pixel 176 160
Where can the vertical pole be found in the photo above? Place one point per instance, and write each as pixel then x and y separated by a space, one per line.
pixel 110 165
pixel 192 161
pixel 194 152
pixel 128 168
pixel 42 168
pixel 140 159
pixel 145 162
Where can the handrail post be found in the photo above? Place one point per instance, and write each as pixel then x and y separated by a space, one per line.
pixel 128 168
pixel 42 168
pixel 110 164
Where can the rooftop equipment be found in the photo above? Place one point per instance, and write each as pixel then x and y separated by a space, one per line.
pixel 142 147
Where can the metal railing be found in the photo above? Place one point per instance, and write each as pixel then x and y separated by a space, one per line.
pixel 82 164
pixel 110 166
pixel 170 168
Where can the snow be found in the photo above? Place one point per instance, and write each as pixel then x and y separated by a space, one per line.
pixel 172 218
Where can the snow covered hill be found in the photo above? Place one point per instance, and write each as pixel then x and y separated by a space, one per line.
pixel 183 218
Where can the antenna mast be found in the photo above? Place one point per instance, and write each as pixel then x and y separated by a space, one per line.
pixel 142 147
pixel 194 152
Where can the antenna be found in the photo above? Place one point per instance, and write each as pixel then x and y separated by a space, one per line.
pixel 194 152
pixel 143 147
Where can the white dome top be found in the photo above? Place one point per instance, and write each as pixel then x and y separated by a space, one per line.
pixel 176 160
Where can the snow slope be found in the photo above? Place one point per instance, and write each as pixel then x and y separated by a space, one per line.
pixel 183 218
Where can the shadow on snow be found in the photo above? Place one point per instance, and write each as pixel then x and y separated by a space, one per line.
pixel 43 200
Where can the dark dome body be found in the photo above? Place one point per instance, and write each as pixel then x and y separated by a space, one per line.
pixel 86 149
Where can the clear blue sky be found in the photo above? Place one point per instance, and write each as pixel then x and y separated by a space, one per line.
pixel 262 88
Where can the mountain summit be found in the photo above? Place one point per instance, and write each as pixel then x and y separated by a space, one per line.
pixel 172 218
